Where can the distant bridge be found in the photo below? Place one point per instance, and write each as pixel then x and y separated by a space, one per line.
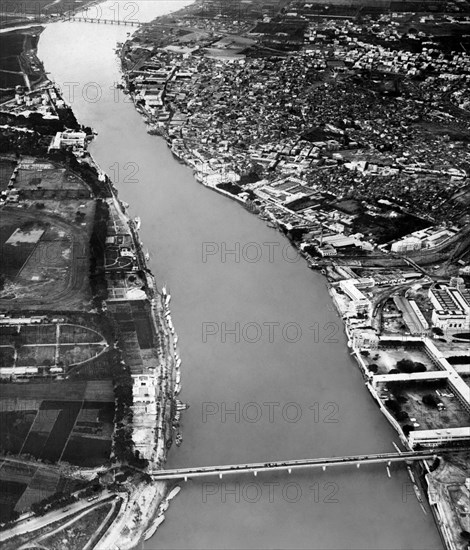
pixel 289 465
pixel 83 19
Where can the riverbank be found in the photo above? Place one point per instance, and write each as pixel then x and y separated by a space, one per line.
pixel 153 416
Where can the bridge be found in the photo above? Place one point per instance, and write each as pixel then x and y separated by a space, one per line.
pixel 83 19
pixel 290 465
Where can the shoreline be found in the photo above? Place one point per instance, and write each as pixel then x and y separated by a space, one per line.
pixel 169 370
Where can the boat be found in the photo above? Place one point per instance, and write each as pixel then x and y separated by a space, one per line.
pixel 147 255
pixel 151 530
pixel 178 439
pixel 180 406
pixel 173 492
pixel 137 222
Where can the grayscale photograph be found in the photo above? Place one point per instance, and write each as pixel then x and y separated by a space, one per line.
pixel 234 274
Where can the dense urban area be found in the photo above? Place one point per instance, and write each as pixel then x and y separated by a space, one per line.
pixel 344 124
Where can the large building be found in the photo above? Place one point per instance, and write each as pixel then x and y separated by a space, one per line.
pixel 359 302
pixel 451 307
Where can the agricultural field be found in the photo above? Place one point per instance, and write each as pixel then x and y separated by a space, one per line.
pixel 79 432
pixel 14 428
pixel 23 484
pixel 6 170
pixel 11 47
pixel 23 395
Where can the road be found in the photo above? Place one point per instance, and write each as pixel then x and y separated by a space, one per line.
pixel 38 522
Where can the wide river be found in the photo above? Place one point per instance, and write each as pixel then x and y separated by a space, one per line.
pixel 266 368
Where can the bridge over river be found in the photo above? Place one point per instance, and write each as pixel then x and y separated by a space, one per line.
pixel 289 465
pixel 84 19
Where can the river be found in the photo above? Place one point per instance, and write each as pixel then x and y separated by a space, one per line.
pixel 280 384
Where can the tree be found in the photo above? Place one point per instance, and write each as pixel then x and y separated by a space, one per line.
pixel 430 400
pixel 419 367
pixel 393 371
pixel 393 405
pixel 407 428
pixel 438 331
pixel 402 415
pixel 405 365
pixel 373 368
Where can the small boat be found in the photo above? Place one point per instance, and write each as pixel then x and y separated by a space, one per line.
pixel 180 406
pixel 147 256
pixel 173 492
pixel 137 222
pixel 178 439
pixel 151 530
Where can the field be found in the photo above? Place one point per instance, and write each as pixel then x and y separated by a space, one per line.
pixel 11 46
pixel 14 428
pixel 14 252
pixel 21 485
pixel 72 420
pixel 79 432
pixel 10 493
pixel 95 390
pixel 52 270
pixel 7 357
pixel 47 345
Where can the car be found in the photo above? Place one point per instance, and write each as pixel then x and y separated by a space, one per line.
pixel 416 424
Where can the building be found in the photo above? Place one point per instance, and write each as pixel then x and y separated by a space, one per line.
pixel 450 320
pixel 69 138
pixel 359 302
pixel 435 438
pixel 451 307
pixel 409 244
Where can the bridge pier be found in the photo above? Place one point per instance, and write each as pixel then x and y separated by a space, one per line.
pixel 358 465
pixel 186 478
pixel 289 470
pixel 255 473
pixel 220 475
pixel 323 468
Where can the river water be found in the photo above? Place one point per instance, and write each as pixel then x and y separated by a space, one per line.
pixel 266 368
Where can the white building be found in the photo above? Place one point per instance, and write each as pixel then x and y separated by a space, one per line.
pixel 69 138
pixel 408 244
pixel 359 302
